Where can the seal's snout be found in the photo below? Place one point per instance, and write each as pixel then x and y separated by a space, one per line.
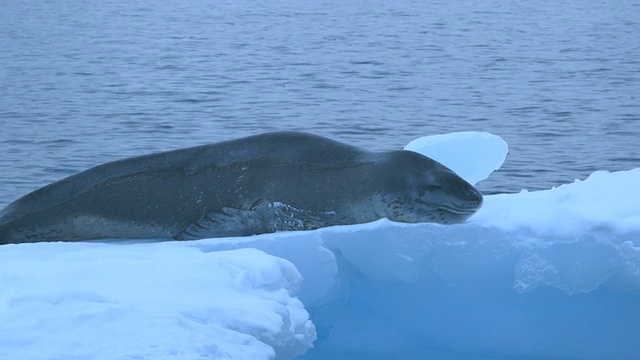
pixel 462 194
pixel 475 198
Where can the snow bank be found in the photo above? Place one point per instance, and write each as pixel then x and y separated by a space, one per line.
pixel 148 301
pixel 535 275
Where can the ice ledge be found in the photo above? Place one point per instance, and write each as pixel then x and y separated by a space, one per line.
pixel 540 274
pixel 573 237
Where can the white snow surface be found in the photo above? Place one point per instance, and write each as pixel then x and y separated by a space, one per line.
pixel 148 301
pixel 549 274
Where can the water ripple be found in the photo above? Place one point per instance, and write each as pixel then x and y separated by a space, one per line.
pixel 86 84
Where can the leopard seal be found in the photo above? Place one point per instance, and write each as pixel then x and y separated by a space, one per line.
pixel 259 184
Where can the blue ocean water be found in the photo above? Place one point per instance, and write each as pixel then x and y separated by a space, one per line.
pixel 83 82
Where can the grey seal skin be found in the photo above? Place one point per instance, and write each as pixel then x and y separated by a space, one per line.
pixel 258 184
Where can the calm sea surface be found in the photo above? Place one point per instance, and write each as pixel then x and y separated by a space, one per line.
pixel 85 82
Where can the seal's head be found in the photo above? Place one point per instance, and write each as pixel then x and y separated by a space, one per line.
pixel 421 189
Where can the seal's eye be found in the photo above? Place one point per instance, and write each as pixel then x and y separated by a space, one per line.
pixel 427 189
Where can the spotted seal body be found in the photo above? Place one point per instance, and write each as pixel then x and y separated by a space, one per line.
pixel 258 184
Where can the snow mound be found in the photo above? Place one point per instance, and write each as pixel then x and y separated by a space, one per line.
pixel 604 201
pixel 148 301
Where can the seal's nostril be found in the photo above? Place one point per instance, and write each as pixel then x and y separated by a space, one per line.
pixel 475 196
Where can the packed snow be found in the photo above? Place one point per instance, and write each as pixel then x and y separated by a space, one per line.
pixel 549 274
pixel 148 301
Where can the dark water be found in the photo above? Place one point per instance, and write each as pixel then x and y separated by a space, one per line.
pixel 84 82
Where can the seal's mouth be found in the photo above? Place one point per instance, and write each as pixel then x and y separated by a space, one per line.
pixel 449 208
pixel 457 210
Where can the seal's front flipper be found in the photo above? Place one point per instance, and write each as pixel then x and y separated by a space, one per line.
pixel 263 218
pixel 227 222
